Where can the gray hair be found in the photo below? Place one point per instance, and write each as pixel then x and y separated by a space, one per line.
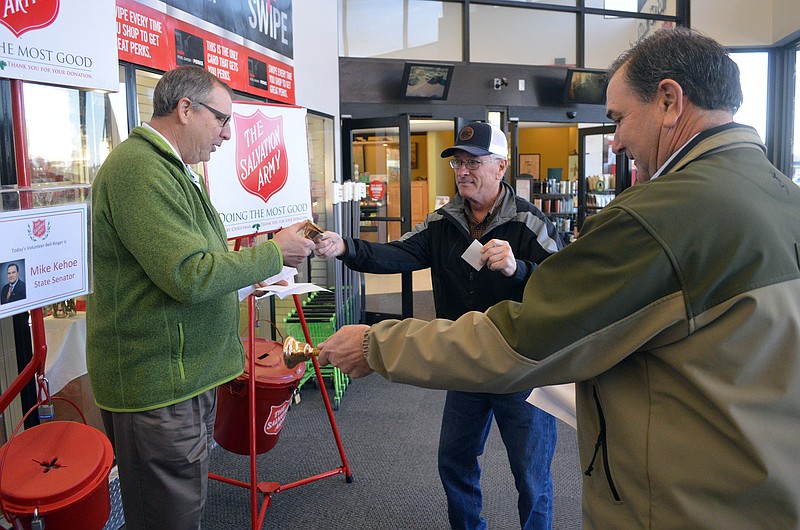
pixel 191 82
pixel 700 65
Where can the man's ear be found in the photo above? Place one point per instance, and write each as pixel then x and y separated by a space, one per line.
pixel 182 109
pixel 502 165
pixel 670 95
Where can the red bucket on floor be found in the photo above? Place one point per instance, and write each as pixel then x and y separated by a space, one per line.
pixel 275 385
pixel 59 469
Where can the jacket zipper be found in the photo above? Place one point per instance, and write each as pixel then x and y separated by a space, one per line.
pixel 180 351
pixel 602 442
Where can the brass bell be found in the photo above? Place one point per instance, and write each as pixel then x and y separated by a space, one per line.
pixel 296 352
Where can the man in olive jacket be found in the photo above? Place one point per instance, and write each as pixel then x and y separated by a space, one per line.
pixel 676 312
pixel 163 321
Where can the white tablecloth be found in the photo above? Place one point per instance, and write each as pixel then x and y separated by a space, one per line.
pixel 66 350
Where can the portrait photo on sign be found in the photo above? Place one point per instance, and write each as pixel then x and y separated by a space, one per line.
pixel 13 289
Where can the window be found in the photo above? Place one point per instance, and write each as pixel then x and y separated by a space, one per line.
pixel 662 7
pixel 754 76
pixel 70 132
pixel 400 29
pixel 528 36
pixel 145 85
pixel 608 37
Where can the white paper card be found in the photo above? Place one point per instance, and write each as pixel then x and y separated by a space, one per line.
pixel 282 291
pixel 287 273
pixel 557 400
pixel 473 255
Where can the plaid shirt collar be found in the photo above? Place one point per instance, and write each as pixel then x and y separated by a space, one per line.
pixel 476 228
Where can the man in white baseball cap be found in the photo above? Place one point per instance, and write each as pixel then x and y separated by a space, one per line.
pixel 480 160
pixel 479 139
pixel 513 237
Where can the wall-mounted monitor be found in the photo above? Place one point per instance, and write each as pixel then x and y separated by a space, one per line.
pixel 586 86
pixel 426 81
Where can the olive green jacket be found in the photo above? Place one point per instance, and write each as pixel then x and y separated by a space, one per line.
pixel 677 312
pixel 163 321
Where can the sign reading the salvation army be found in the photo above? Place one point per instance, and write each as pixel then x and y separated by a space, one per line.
pixel 43 257
pixel 40 41
pixel 259 180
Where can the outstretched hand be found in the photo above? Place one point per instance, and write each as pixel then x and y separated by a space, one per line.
pixel 344 350
pixel 329 245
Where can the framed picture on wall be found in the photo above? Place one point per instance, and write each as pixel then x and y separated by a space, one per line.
pixel 413 155
pixel 529 164
pixel 524 187
pixel 572 167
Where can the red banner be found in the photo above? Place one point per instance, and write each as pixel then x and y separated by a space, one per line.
pixel 152 38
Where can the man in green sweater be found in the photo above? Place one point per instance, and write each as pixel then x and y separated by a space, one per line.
pixel 163 320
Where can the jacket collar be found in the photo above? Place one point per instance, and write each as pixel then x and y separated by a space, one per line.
pixel 506 210
pixel 729 136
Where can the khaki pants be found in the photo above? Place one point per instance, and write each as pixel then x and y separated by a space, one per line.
pixel 163 460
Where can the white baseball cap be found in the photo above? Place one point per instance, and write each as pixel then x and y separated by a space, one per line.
pixel 479 139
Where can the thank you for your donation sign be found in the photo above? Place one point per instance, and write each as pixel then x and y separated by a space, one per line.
pixel 60 42
pixel 43 257
pixel 259 181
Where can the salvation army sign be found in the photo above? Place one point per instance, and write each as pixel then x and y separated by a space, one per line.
pixel 259 181
pixel 42 41
pixel 20 17
pixel 261 154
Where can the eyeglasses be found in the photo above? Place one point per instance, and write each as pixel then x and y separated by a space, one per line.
pixel 221 116
pixel 470 163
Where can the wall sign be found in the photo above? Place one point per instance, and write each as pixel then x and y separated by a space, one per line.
pixel 43 257
pixel 39 42
pixel 377 189
pixel 259 180
pixel 265 22
pixel 168 37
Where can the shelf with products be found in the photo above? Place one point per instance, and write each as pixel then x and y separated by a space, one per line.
pixel 371 230
pixel 552 195
pixel 599 199
pixel 555 203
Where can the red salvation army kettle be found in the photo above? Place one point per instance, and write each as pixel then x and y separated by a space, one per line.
pixel 56 475
pixel 275 385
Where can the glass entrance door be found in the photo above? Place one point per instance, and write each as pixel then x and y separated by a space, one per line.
pixel 601 174
pixel 379 157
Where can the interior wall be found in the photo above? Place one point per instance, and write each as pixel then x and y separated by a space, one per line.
pixel 441 180
pixel 786 18
pixel 554 144
pixel 419 157
pixel 371 88
pixel 316 62
pixel 738 22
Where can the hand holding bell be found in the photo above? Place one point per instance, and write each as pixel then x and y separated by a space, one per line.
pixel 296 352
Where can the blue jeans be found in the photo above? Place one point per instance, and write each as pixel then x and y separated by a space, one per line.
pixel 529 435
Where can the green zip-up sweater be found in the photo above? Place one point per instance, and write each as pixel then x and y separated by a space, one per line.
pixel 163 320
pixel 677 314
